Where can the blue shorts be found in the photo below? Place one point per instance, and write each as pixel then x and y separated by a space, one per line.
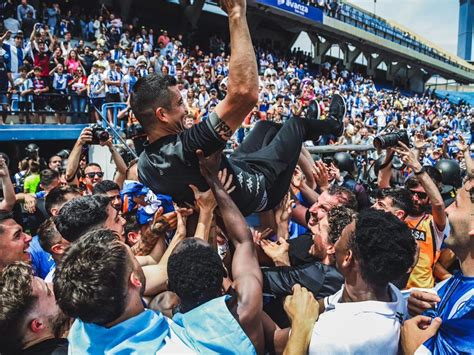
pixel 3 99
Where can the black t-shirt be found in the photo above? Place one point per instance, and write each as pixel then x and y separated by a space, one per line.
pixel 169 165
pixel 50 346
pixel 3 77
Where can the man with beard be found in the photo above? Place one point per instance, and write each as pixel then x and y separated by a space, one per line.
pixel 320 275
pixel 104 293
pixel 451 307
pixel 429 227
pixel 55 162
pixel 30 320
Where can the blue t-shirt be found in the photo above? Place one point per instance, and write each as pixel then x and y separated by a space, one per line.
pixel 456 311
pixel 42 261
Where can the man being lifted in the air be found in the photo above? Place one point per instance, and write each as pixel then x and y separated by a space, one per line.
pixel 263 164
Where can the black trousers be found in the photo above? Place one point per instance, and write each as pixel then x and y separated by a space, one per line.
pixel 273 150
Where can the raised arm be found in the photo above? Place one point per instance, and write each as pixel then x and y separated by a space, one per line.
pixel 385 172
pixel 242 84
pixel 157 275
pixel 464 148
pixel 245 268
pixel 32 36
pixel 206 204
pixel 120 164
pixel 432 191
pixel 75 156
pixel 303 310
pixel 5 35
pixel 9 200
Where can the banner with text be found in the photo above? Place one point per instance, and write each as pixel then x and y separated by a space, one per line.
pixel 295 7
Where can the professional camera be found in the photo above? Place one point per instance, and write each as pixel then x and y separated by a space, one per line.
pixel 99 134
pixel 388 140
pixel 135 131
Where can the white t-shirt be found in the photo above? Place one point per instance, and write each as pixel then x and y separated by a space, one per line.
pixel 369 327
pixel 381 118
pixel 50 276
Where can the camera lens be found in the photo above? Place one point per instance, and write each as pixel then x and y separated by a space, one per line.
pixel 103 136
pixel 391 140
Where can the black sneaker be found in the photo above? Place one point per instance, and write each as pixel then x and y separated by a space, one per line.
pixel 314 110
pixel 337 111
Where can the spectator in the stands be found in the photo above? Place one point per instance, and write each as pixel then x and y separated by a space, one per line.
pixel 96 90
pixel 23 9
pixel 40 87
pixel 78 89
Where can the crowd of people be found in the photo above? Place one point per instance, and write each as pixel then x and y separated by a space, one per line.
pixel 267 249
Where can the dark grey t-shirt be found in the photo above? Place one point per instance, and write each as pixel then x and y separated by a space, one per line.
pixel 169 165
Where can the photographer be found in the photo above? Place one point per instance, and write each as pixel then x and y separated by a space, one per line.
pixel 87 137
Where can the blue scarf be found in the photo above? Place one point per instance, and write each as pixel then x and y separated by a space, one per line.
pixel 456 334
pixel 144 215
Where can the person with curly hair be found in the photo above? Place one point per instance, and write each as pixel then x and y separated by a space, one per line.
pixel 366 315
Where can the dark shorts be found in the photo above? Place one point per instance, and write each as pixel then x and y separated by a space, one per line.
pixel 59 103
pixel 112 98
pixel 24 106
pixel 97 102
pixel 40 103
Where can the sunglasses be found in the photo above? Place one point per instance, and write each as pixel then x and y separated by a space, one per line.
pixel 421 195
pixel 91 175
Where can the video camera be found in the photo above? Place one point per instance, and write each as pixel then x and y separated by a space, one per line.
pixel 389 140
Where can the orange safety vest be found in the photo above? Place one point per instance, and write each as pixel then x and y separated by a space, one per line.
pixel 422 229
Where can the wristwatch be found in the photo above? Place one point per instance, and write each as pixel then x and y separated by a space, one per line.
pixel 421 171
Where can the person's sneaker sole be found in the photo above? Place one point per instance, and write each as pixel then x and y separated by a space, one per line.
pixel 314 110
pixel 337 111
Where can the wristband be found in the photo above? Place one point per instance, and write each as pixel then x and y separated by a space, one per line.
pixel 422 170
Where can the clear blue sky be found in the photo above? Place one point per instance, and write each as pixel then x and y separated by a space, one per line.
pixel 435 20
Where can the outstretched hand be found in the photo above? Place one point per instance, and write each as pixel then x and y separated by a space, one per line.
pixel 284 209
pixel 407 156
pixel 234 7
pixel 204 200
pixel 321 175
pixel 209 166
pixel 163 223
pixel 277 251
pixel 462 145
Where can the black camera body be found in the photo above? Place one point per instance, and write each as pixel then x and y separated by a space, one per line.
pixel 99 134
pixel 389 140
pixel 135 131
